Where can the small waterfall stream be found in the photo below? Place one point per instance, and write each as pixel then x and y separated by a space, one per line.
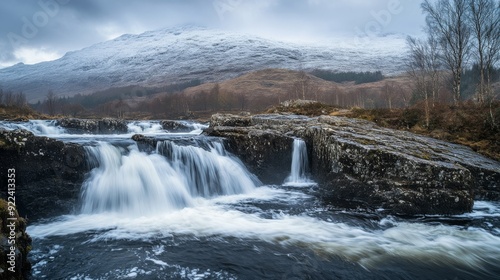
pixel 300 165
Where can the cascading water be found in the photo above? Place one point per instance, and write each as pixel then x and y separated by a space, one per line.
pixel 208 172
pixel 190 210
pixel 138 183
pixel 37 127
pixel 145 127
pixel 300 165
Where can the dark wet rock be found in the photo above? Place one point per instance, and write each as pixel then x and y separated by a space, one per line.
pixel 14 264
pixel 177 126
pixel 266 153
pixel 102 126
pixel 49 173
pixel 145 143
pixel 359 164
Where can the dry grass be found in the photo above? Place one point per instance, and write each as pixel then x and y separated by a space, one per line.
pixel 280 83
pixel 468 124
pixel 19 113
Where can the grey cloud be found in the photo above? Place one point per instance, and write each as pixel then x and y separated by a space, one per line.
pixel 77 23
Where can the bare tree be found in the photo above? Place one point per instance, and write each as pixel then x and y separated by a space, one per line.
pixel 485 23
pixel 447 21
pixel 50 101
pixel 301 85
pixel 214 97
pixel 423 66
pixel 20 99
pixel 304 87
pixel 389 92
pixel 120 108
pixel 8 98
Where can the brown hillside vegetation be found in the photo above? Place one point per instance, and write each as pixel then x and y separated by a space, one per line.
pixel 282 84
pixel 254 92
pixel 15 113
pixel 257 91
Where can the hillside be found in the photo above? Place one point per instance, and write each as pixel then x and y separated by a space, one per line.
pixel 183 54
pixel 263 88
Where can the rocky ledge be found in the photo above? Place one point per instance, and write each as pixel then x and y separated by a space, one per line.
pixel 48 172
pixel 359 164
pixel 102 126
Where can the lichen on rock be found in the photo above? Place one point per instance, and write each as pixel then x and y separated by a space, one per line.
pixel 359 164
pixel 102 126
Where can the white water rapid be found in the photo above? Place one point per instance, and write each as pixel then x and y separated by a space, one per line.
pixel 37 127
pixel 136 183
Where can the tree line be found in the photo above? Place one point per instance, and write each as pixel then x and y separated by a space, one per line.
pixel 12 99
pixel 350 76
pixel 462 45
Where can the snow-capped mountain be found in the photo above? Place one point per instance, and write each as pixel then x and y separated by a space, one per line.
pixel 188 53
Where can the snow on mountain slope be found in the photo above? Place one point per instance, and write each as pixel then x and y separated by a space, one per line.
pixel 188 53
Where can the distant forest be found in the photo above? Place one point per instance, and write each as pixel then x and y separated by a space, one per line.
pixel 356 77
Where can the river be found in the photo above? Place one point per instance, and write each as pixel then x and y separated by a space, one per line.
pixel 190 210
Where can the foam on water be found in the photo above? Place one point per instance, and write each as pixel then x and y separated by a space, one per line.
pixel 145 127
pixel 440 244
pixel 37 127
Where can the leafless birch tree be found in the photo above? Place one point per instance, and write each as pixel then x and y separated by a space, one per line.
pixel 447 22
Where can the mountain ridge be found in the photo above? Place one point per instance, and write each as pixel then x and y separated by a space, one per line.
pixel 181 54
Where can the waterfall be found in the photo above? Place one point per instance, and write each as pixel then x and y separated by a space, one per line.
pixel 128 181
pixel 209 171
pixel 300 165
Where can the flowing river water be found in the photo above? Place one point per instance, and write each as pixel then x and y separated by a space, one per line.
pixel 188 209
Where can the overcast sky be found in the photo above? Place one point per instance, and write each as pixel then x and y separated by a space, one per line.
pixel 32 31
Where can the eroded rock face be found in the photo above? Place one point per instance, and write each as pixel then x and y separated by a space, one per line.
pixel 266 153
pixel 49 173
pixel 102 126
pixel 359 164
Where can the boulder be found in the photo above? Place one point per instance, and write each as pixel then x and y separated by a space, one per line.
pixel 145 143
pixel 176 126
pixel 358 164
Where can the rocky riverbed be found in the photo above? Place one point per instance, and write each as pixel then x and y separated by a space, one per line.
pixel 361 165
pixel 356 163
